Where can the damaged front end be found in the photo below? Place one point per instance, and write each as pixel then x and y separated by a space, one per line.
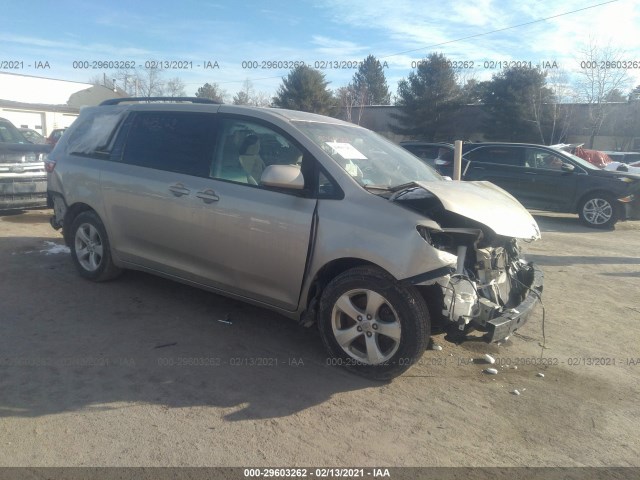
pixel 489 287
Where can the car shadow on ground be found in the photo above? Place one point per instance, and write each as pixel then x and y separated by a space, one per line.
pixel 142 339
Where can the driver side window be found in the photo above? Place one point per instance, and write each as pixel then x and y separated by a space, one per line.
pixel 542 159
pixel 246 148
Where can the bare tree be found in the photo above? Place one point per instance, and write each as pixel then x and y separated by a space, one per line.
pixel 351 96
pixel 600 73
pixel 261 99
pixel 561 106
pixel 248 96
pixel 175 88
pixel 244 95
pixel 151 83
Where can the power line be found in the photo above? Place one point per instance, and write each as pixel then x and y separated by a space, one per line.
pixel 501 29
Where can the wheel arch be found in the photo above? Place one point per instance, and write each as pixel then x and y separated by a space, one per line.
pixel 590 193
pixel 323 276
pixel 72 212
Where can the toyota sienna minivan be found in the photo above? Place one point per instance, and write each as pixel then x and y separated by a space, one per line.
pixel 319 219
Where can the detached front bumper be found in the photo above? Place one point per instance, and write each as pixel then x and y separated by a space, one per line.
pixel 511 320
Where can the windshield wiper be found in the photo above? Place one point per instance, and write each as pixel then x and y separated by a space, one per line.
pixel 403 186
pixel 377 187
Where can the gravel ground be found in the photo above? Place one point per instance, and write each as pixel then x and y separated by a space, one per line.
pixel 143 371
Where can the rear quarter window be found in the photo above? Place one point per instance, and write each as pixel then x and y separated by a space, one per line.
pixel 92 134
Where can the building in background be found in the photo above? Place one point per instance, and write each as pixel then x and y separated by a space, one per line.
pixel 45 104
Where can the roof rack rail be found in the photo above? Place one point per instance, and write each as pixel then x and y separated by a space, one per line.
pixel 116 101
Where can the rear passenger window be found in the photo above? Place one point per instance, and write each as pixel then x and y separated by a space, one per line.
pixel 178 142
pixel 500 155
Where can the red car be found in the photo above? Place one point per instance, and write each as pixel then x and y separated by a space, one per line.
pixel 55 135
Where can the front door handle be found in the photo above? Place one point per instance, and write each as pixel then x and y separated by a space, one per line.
pixel 179 189
pixel 208 196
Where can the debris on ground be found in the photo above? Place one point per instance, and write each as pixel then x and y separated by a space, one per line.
pixel 54 248
pixel 515 392
pixel 489 359
pixel 541 375
pixel 436 347
pixel 490 371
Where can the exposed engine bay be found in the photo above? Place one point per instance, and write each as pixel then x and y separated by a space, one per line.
pixel 488 278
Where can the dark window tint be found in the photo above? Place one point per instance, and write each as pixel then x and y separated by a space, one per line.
pixel 424 152
pixel 174 141
pixel 512 156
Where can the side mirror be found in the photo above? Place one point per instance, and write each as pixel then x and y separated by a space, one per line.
pixel 567 167
pixel 283 176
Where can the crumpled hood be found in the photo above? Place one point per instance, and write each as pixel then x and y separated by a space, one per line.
pixel 488 204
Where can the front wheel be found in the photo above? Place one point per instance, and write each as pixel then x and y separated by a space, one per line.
pixel 599 210
pixel 372 324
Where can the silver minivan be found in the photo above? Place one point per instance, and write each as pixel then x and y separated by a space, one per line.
pixel 319 219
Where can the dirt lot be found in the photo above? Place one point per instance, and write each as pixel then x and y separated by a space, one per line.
pixel 142 371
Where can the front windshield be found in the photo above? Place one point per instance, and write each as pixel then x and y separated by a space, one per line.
pixel 580 161
pixel 370 159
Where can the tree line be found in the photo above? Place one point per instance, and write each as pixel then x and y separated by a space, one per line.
pixel 518 104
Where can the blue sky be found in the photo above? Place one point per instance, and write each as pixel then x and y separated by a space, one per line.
pixel 229 33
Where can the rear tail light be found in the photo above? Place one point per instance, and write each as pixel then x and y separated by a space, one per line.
pixel 49 164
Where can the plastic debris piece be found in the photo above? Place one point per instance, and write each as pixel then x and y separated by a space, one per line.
pixel 54 248
pixel 490 371
pixel 507 338
pixel 541 375
pixel 436 347
pixel 489 359
pixel 515 392
pixel 515 367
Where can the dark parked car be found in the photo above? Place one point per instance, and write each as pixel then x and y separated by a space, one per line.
pixel 428 152
pixel 546 178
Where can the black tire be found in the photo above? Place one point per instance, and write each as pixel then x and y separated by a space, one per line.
pixel 90 248
pixel 402 312
pixel 599 210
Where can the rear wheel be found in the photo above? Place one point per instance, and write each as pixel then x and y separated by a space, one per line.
pixel 599 210
pixel 372 324
pixel 90 248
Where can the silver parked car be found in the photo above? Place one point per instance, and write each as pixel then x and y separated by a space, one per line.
pixel 321 220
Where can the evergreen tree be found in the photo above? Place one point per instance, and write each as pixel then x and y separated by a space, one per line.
pixel 369 81
pixel 211 91
pixel 305 89
pixel 517 102
pixel 428 99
